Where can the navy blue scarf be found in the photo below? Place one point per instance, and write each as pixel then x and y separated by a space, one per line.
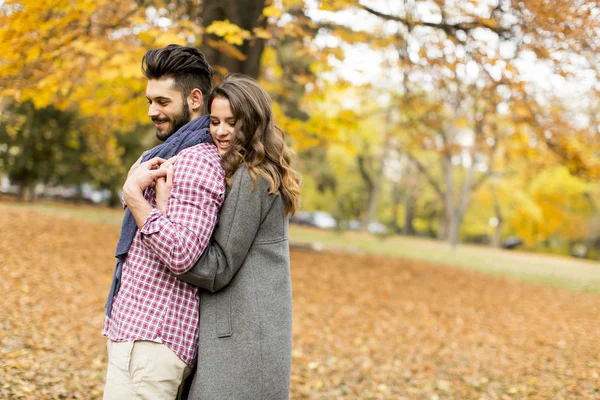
pixel 191 134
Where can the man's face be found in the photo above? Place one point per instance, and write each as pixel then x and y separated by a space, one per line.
pixel 167 108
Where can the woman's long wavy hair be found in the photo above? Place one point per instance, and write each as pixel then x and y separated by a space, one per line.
pixel 258 142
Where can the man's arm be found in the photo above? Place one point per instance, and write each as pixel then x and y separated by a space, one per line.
pixel 179 237
pixel 131 169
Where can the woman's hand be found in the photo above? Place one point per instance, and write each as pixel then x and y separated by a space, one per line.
pixel 164 184
pixel 140 177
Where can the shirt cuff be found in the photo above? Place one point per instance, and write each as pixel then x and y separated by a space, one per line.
pixel 153 222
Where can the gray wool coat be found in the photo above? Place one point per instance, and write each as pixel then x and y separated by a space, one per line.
pixel 245 339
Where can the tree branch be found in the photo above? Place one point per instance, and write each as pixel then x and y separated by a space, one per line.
pixel 362 168
pixel 427 176
pixel 481 180
pixel 450 29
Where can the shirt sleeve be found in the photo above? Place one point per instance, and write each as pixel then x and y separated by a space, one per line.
pixel 179 238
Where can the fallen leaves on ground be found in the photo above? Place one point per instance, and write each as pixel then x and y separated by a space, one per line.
pixel 365 327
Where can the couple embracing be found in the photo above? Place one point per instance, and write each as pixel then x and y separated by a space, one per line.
pixel 202 291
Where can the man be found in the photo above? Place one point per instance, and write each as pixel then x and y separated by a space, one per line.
pixel 152 317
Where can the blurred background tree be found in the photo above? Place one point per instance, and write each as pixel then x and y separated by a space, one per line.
pixel 468 121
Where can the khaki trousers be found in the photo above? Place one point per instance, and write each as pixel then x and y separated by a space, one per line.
pixel 143 370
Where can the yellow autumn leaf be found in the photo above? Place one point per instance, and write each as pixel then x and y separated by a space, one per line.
pixel 226 48
pixel 232 33
pixel 337 5
pixel 33 53
pixel 461 122
pixel 167 38
pixel 287 4
pixel 272 11
pixel 261 33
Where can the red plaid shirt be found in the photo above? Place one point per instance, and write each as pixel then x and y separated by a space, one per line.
pixel 152 304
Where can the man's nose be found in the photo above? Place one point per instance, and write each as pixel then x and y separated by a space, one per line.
pixel 152 111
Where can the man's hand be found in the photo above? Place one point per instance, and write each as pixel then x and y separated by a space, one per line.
pixel 135 165
pixel 164 184
pixel 142 176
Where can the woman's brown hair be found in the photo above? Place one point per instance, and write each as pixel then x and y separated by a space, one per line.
pixel 258 141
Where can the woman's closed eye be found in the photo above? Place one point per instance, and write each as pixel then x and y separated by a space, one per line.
pixel 230 123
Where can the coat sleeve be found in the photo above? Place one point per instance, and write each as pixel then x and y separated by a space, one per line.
pixel 239 220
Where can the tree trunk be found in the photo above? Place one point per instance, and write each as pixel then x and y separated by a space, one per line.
pixel 409 213
pixel 431 216
pixel 453 230
pixel 410 203
pixel 396 198
pixel 404 175
pixel 247 15
pixel 114 200
pixel 365 174
pixel 78 193
pixel 457 213
pixel 379 174
pixel 32 195
pixel 447 225
pixel 498 212
pixel 21 193
pixel 497 235
pixel 373 199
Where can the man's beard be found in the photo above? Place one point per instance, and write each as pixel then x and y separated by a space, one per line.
pixel 177 121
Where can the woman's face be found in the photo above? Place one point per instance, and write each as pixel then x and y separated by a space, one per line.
pixel 222 124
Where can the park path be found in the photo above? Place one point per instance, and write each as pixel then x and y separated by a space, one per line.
pixel 365 327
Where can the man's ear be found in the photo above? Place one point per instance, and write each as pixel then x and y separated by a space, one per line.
pixel 195 99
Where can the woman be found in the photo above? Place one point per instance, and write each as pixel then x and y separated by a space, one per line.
pixel 245 343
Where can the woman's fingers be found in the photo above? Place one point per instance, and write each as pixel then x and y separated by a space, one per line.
pixel 155 162
pixel 155 174
pixel 169 177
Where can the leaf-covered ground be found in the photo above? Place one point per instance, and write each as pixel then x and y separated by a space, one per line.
pixel 365 327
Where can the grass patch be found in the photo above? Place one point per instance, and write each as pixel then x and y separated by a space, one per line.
pixel 564 272
pixel 83 212
pixel 557 271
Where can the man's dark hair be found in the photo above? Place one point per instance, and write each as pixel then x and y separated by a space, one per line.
pixel 186 65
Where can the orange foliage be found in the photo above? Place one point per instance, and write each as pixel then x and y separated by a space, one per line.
pixel 365 327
